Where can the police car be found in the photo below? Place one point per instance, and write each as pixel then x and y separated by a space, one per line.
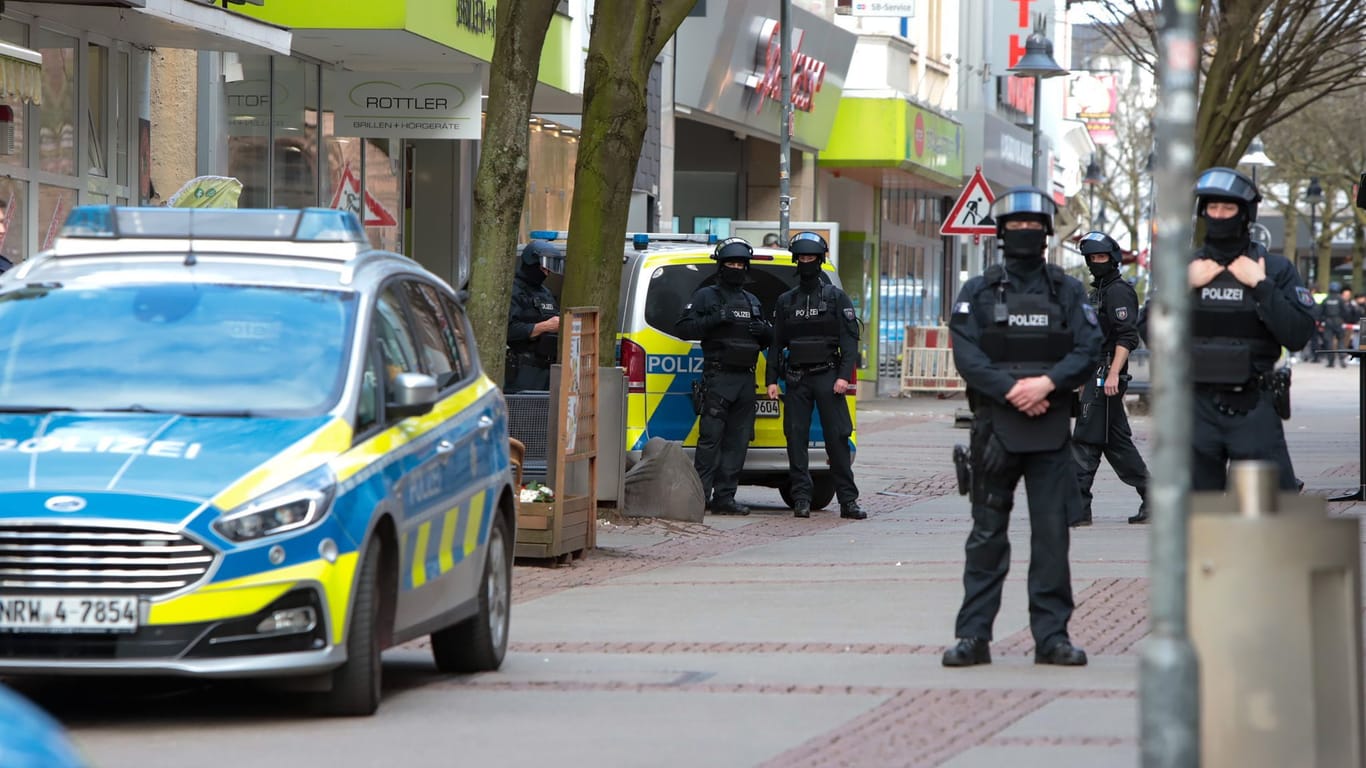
pixel 659 275
pixel 245 444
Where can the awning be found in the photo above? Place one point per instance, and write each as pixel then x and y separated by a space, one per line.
pixel 167 24
pixel 21 75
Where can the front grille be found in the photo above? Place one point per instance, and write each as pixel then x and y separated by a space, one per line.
pixel 94 559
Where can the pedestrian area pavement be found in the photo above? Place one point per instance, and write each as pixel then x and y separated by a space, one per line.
pixel 770 641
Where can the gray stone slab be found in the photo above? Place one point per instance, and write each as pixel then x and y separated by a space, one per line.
pixel 1013 756
pixel 1081 718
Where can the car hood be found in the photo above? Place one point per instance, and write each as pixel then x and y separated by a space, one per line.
pixel 154 454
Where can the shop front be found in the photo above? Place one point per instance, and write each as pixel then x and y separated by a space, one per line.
pixel 727 112
pixel 378 110
pixel 75 121
pixel 889 175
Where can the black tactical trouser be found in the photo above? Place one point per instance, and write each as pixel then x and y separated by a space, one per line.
pixel 527 371
pixel 724 429
pixel 1119 450
pixel 1051 490
pixel 818 390
pixel 1333 338
pixel 1220 435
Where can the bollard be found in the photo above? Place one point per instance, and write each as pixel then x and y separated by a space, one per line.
pixel 1275 617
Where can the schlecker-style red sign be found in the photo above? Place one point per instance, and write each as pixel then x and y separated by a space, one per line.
pixel 808 73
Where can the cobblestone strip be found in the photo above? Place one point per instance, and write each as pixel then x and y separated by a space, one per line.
pixel 633 647
pixel 936 485
pixel 1111 617
pixel 916 729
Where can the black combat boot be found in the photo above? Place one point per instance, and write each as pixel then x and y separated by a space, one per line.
pixel 801 508
pixel 970 651
pixel 852 511
pixel 729 507
pixel 1142 516
pixel 1061 653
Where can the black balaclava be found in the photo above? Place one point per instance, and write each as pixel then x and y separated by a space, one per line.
pixel 1227 239
pixel 809 272
pixel 1023 248
pixel 731 277
pixel 532 273
pixel 1104 269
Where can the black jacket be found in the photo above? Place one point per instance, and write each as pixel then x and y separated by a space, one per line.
pixel 1116 305
pixel 814 296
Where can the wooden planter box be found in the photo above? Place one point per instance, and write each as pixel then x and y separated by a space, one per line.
pixel 553 529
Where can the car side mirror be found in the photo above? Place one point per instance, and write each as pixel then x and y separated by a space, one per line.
pixel 1361 192
pixel 411 394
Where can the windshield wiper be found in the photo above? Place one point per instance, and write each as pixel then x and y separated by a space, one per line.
pixel 225 414
pixel 34 408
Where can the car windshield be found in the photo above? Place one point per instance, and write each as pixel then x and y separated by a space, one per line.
pixel 189 348
pixel 672 287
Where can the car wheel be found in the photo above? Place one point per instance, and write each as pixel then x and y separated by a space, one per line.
pixel 479 643
pixel 822 490
pixel 356 684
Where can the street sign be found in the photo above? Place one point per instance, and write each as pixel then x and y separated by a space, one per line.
pixel 972 207
pixel 882 8
pixel 347 198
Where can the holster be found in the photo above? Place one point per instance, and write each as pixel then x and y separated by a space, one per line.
pixel 1279 382
pixel 699 395
pixel 962 465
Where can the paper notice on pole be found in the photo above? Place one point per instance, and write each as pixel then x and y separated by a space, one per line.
pixel 571 423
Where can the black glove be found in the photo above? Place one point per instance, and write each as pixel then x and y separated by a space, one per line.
pixel 758 328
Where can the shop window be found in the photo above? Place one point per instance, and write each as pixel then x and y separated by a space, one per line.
pixel 13 198
pixel 54 203
pixel 97 108
pixel 294 121
pixel 57 115
pixel 121 118
pixel 13 32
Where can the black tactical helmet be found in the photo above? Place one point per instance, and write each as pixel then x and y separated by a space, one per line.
pixel 1023 203
pixel 543 253
pixel 1227 185
pixel 733 248
pixel 1099 242
pixel 1335 287
pixel 807 242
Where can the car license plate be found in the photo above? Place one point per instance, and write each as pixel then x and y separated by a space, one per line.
pixel 73 613
pixel 765 407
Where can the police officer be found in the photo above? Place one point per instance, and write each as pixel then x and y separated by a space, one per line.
pixel 1333 312
pixel 730 324
pixel 815 324
pixel 1023 338
pixel 1102 426
pixel 1246 305
pixel 533 319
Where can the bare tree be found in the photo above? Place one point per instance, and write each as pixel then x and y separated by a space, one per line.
pixel 500 183
pixel 1124 162
pixel 626 38
pixel 1262 61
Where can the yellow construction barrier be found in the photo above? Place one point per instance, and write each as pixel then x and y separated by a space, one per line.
pixel 927 361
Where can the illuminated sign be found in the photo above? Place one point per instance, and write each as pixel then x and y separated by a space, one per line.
pixel 808 73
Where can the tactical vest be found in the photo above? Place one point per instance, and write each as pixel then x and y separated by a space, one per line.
pixel 731 344
pixel 1227 334
pixel 1026 334
pixel 813 327
pixel 547 345
pixel 1332 309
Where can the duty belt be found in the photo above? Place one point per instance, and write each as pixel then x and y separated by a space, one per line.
pixel 718 367
pixel 816 368
pixel 1237 399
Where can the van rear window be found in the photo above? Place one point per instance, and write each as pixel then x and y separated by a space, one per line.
pixel 672 287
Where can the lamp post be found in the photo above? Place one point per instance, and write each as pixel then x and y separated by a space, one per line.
pixel 1313 195
pixel 1093 178
pixel 1256 157
pixel 1037 63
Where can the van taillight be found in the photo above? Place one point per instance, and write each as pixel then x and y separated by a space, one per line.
pixel 633 360
pixel 853 384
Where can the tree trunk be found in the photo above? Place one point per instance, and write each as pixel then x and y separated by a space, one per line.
pixel 1358 249
pixel 500 183
pixel 626 37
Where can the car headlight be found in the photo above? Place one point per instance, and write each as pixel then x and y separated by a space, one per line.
pixel 294 505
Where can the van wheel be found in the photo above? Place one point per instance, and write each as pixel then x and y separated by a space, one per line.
pixel 479 643
pixel 356 684
pixel 822 490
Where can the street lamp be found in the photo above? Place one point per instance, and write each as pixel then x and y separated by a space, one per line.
pixel 1313 195
pixel 1037 63
pixel 1256 157
pixel 1093 178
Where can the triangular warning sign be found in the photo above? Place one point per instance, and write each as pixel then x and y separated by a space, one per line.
pixel 347 198
pixel 972 207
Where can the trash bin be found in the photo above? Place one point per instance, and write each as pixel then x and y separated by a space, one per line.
pixel 1275 617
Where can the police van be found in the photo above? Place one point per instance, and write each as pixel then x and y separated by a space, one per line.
pixel 659 274
pixel 243 443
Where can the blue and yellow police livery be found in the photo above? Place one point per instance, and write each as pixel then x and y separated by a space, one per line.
pixel 659 275
pixel 245 444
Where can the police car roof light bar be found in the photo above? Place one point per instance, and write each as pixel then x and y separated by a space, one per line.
pixel 312 225
pixel 640 240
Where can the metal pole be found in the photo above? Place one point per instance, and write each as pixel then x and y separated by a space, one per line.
pixel 1169 688
pixel 785 131
pixel 1037 168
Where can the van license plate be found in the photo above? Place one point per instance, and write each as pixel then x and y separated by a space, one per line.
pixel 765 407
pixel 74 613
